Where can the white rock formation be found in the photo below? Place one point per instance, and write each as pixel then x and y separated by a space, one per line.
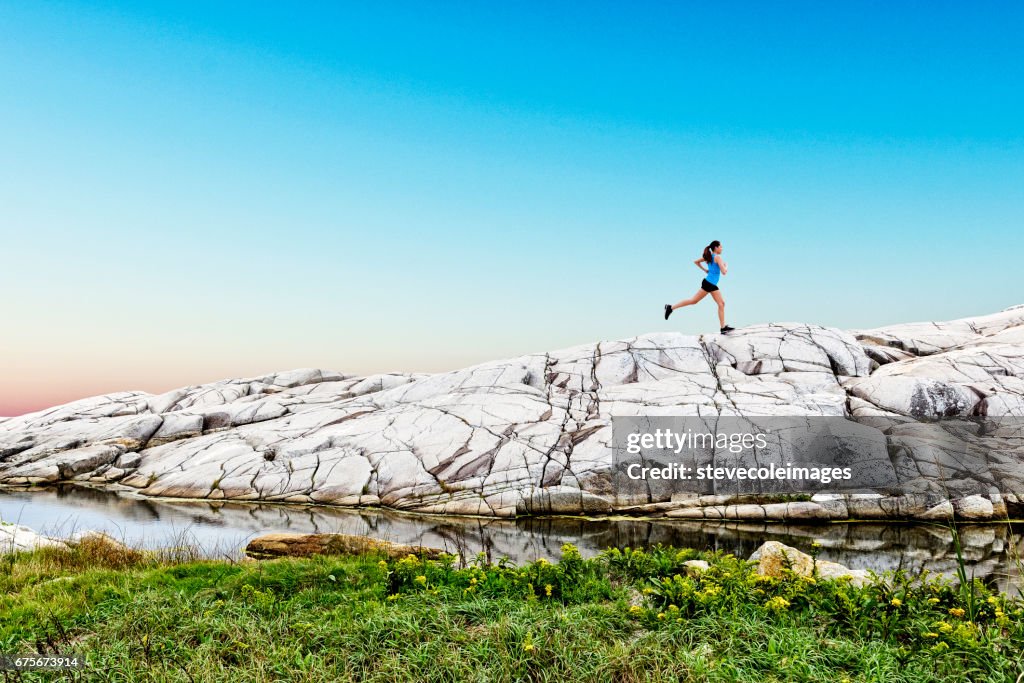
pixel 532 434
pixel 16 538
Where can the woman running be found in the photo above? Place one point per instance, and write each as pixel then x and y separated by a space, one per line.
pixel 715 267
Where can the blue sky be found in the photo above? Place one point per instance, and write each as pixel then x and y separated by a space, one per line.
pixel 192 193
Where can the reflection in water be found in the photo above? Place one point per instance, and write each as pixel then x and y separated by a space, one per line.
pixel 992 551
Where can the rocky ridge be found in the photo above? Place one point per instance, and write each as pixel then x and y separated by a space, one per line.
pixel 532 435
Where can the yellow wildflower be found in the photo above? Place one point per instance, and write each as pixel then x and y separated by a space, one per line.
pixel 956 612
pixel 896 602
pixel 635 609
pixel 777 604
pixel 547 590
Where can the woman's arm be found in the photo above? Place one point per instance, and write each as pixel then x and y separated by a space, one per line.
pixel 700 264
pixel 721 264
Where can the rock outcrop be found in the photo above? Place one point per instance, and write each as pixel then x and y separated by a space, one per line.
pixel 532 435
pixel 305 545
pixel 15 538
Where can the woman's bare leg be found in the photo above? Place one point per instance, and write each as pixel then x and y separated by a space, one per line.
pixel 691 301
pixel 717 296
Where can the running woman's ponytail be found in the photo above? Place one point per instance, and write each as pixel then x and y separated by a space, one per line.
pixel 708 251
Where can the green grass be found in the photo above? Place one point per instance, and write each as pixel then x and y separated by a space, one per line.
pixel 624 616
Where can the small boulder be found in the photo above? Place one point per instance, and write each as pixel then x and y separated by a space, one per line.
pixel 694 567
pixel 775 558
pixel 943 511
pixel 563 500
pixel 128 461
pixel 974 507
pixel 16 538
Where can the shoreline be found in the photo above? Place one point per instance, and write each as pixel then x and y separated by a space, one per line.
pixel 624 513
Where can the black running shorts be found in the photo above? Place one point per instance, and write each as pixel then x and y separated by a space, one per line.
pixel 707 286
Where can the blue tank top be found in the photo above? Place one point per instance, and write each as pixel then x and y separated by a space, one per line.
pixel 713 271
